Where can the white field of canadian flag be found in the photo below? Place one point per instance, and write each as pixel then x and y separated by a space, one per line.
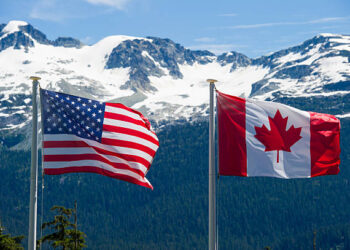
pixel 258 138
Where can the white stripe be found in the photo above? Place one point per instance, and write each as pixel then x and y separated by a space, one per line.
pixel 294 164
pixel 131 138
pixel 93 163
pixel 122 111
pixel 129 125
pixel 118 149
pixel 78 151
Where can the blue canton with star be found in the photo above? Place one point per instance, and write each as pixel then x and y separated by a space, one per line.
pixel 67 114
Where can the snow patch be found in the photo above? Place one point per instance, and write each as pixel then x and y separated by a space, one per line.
pixel 13 26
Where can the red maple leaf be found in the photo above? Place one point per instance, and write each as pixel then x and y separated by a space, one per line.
pixel 278 138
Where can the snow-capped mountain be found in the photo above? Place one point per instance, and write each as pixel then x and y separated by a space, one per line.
pixel 157 76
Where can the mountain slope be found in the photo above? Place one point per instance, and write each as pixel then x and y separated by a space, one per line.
pixel 157 76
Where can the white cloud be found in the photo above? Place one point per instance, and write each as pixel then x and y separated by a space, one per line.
pixel 204 39
pixel 315 21
pixel 52 10
pixel 118 4
pixel 228 14
pixel 329 19
pixel 58 10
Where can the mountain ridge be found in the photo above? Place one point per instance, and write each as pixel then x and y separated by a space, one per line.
pixel 159 77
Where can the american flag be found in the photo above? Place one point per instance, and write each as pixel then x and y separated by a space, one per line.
pixel 83 135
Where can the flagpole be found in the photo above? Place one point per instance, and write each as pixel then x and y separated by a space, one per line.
pixel 212 174
pixel 33 169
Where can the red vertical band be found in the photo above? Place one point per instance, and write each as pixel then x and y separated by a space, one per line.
pixel 232 140
pixel 324 144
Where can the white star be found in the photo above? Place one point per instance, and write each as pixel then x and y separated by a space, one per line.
pixel 62 100
pixel 73 103
pixel 78 116
pixel 49 129
pixel 59 129
pixel 84 104
pixel 98 129
pixel 72 111
pixel 89 109
pixel 96 138
pixel 87 127
pixel 48 119
pixel 65 124
pixel 70 130
pixel 90 101
pixel 99 120
pixel 83 113
pixel 56 95
pixel 93 124
pixel 95 106
pixel 48 110
pixel 79 132
pixel 54 124
pixel 67 98
pixel 79 99
pixel 74 126
pixel 82 122
pixel 88 118
pixel 93 114
pixel 100 111
pixel 77 107
pixel 59 119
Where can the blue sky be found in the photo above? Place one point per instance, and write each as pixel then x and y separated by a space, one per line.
pixel 252 27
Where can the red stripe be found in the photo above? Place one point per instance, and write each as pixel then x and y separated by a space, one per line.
pixel 145 120
pixel 97 157
pixel 81 144
pixel 90 169
pixel 128 131
pixel 124 118
pixel 324 144
pixel 231 114
pixel 128 144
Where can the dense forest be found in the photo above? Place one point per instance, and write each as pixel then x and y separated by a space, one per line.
pixel 252 212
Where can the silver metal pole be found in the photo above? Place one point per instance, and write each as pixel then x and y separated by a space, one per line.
pixel 33 170
pixel 212 174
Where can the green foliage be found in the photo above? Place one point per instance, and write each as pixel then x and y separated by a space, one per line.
pixel 10 243
pixel 64 233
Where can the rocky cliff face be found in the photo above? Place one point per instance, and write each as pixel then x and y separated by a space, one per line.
pixel 153 57
pixel 18 34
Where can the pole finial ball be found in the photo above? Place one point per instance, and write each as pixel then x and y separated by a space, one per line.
pixel 34 78
pixel 211 80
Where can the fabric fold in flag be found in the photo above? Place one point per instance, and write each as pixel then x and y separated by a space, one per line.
pixel 258 138
pixel 83 135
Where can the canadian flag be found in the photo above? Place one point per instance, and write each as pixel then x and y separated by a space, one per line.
pixel 258 138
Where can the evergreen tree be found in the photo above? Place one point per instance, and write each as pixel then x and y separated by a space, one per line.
pixel 10 243
pixel 65 234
